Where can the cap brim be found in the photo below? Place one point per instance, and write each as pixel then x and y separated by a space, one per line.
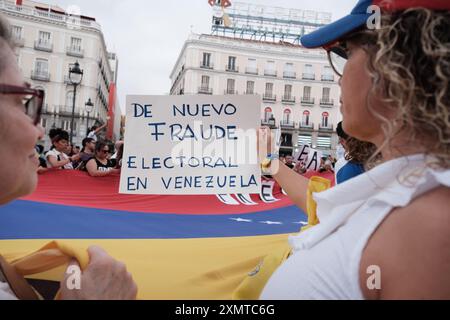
pixel 334 31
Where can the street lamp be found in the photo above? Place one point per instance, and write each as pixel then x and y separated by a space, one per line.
pixel 89 108
pixel 75 77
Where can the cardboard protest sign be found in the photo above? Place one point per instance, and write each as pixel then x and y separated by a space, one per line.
pixel 309 156
pixel 191 145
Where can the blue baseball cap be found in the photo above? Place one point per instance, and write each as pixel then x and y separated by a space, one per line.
pixel 360 15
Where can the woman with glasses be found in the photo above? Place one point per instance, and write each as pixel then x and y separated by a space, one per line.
pixel 384 234
pixel 20 108
pixel 100 165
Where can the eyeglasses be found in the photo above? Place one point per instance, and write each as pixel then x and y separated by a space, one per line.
pixel 337 56
pixel 105 151
pixel 33 100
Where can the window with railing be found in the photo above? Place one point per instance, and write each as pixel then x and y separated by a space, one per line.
pixel 268 94
pixel 40 71
pixel 305 118
pixel 250 87
pixel 287 92
pixel 206 61
pixel 287 117
pixel 306 98
pixel 289 71
pixel 16 32
pixel 270 69
pixel 267 114
pixel 308 73
pixel 325 117
pixel 231 66
pixel 230 86
pixel 251 66
pixel 205 82
pixel 327 74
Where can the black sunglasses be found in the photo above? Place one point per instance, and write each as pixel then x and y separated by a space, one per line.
pixel 33 101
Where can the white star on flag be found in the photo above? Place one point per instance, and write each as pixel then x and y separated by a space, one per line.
pixel 240 220
pixel 271 222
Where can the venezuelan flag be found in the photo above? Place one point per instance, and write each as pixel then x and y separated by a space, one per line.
pixel 176 247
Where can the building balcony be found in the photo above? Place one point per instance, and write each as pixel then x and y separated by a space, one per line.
pixel 66 110
pixel 308 76
pixel 306 126
pixel 43 46
pixel 205 65
pixel 250 70
pixel 326 102
pixel 328 128
pixel 270 73
pixel 289 75
pixel 328 77
pixel 269 97
pixel 40 75
pixel 231 68
pixel 75 52
pixel 288 99
pixel 230 91
pixel 308 100
pixel 272 123
pixel 249 92
pixel 204 90
pixel 290 125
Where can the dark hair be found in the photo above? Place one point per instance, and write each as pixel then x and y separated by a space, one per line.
pixel 86 141
pixel 94 128
pixel 100 145
pixel 58 135
pixel 340 131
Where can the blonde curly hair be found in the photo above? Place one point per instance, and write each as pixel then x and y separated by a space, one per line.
pixel 409 62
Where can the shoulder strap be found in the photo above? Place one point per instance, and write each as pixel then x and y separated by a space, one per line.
pixel 17 282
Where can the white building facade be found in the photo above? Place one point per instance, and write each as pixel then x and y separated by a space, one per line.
pixel 300 94
pixel 49 42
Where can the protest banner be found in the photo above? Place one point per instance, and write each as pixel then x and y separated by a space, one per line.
pixel 309 156
pixel 191 145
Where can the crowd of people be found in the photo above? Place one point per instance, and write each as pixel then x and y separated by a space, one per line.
pixel 98 157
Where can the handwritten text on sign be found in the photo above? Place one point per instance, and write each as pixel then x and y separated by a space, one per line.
pixel 191 145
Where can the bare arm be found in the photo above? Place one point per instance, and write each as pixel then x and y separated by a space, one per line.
pixel 295 185
pixel 93 171
pixel 57 164
pixel 412 249
pixel 101 128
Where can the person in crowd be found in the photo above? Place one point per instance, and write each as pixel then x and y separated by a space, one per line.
pixel 95 130
pixel 100 165
pixel 289 161
pixel 57 157
pixel 104 277
pixel 357 153
pixel 88 149
pixel 117 156
pixel 385 233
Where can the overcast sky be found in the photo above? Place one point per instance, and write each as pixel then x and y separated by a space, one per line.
pixel 148 35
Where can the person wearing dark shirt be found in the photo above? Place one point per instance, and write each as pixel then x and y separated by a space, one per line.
pixel 100 165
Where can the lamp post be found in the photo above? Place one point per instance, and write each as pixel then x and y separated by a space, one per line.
pixel 89 108
pixel 75 77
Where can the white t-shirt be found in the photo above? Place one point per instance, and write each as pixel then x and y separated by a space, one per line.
pixel 92 135
pixel 61 155
pixel 326 259
pixel 6 292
